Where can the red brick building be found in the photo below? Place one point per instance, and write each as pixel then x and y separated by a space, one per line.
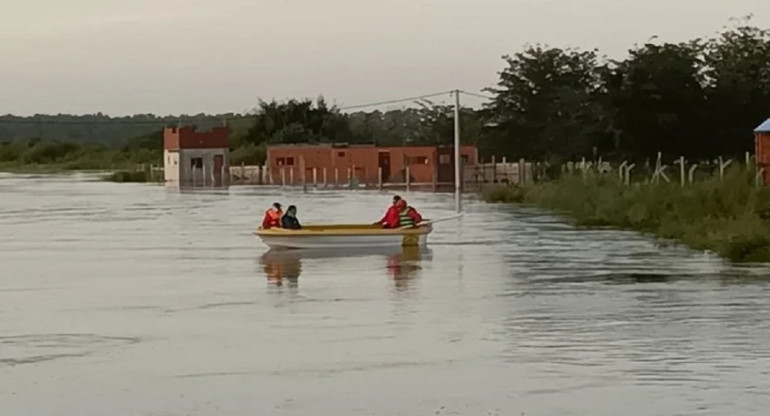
pixel 198 158
pixel 340 164
pixel 762 149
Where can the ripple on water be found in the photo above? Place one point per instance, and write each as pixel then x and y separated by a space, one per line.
pixel 510 311
pixel 36 348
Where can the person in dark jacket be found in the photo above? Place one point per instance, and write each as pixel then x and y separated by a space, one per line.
pixel 289 219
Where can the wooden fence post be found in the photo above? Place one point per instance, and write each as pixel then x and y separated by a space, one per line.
pixel 434 177
pixel 723 166
pixel 628 173
pixel 408 179
pixel 303 173
pixel 350 179
pixel 622 171
pixel 494 169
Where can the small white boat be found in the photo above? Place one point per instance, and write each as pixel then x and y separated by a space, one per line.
pixel 345 236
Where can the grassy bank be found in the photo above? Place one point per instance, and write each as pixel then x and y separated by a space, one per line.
pixel 59 157
pixel 52 156
pixel 730 217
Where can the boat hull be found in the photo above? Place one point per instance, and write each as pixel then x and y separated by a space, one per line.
pixel 340 236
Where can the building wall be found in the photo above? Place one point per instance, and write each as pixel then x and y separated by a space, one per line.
pixel 339 162
pixel 762 154
pixel 171 165
pixel 170 138
pixel 175 138
pixel 182 144
pixel 362 162
pixel 421 162
pixel 205 174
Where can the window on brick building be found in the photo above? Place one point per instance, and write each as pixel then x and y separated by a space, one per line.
pixel 417 160
pixel 285 161
pixel 444 159
pixel 340 154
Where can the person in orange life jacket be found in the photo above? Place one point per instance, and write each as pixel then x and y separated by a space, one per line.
pixel 390 220
pixel 272 216
pixel 407 216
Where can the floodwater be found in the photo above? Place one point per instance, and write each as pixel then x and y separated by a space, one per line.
pixel 126 299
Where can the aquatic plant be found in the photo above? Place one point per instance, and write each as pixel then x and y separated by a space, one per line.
pixel 729 216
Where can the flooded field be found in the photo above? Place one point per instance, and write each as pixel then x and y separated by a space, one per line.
pixel 140 300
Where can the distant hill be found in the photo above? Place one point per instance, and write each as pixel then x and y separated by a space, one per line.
pixel 112 132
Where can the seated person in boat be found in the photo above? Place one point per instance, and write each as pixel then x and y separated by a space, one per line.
pixel 390 220
pixel 289 219
pixel 407 216
pixel 272 216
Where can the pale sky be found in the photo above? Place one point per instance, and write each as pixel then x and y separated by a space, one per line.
pixel 190 56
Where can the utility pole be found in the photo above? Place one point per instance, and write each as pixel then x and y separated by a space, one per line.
pixel 458 160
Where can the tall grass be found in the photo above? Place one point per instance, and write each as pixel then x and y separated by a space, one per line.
pixel 50 156
pixel 729 216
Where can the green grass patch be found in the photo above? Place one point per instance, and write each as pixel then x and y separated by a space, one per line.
pixel 730 217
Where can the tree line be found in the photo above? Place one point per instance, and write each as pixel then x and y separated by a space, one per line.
pixel 700 98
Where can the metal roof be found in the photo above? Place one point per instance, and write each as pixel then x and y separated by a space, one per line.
pixel 764 127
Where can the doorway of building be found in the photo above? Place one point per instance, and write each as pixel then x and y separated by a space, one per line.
pixel 196 171
pixel 219 162
pixel 446 165
pixel 384 163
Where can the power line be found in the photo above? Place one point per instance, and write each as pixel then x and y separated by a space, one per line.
pixel 375 104
pixel 473 94
pixel 118 121
pixel 50 119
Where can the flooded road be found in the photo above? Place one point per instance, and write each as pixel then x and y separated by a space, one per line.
pixel 123 299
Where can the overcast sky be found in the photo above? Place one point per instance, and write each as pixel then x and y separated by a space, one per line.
pixel 190 56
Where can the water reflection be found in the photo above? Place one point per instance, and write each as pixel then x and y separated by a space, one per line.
pixel 199 189
pixel 406 265
pixel 402 264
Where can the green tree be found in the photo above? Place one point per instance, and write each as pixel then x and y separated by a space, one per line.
pixel 658 99
pixel 738 71
pixel 297 121
pixel 547 104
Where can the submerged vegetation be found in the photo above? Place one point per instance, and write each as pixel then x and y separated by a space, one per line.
pixel 730 217
pixel 128 176
pixel 36 155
